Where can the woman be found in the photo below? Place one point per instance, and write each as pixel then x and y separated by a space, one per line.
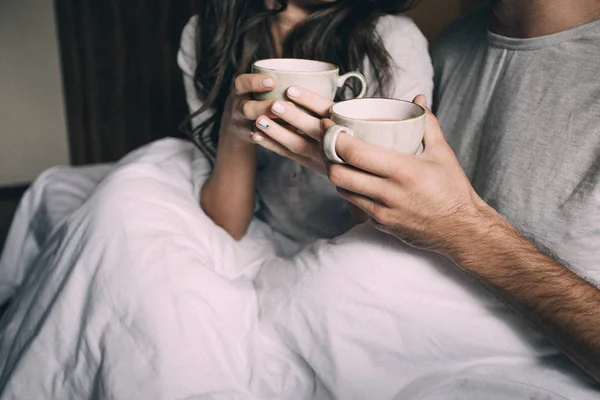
pixel 131 291
pixel 292 196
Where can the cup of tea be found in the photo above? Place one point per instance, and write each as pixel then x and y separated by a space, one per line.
pixel 390 123
pixel 321 77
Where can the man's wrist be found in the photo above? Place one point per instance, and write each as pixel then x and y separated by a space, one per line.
pixel 482 234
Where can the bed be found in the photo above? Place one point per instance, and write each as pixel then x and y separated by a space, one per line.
pixel 117 296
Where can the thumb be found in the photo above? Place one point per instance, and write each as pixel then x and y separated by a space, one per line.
pixel 433 131
pixel 326 123
pixel 421 100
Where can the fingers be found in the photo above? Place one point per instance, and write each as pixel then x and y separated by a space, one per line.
pixel 362 183
pixel 326 123
pixel 252 109
pixel 270 144
pixel 433 131
pixel 298 118
pixel 372 208
pixel 374 159
pixel 292 141
pixel 310 100
pixel 421 100
pixel 253 83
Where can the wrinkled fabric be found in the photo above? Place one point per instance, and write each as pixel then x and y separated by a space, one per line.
pixel 136 294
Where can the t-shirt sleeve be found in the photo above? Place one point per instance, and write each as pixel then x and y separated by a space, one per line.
pixel 412 71
pixel 186 59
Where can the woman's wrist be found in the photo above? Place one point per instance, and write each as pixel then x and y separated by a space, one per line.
pixel 236 153
pixel 232 141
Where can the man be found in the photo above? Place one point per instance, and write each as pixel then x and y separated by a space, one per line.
pixel 509 186
pixel 520 107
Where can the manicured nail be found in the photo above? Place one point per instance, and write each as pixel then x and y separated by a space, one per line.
pixel 263 124
pixel 278 108
pixel 257 138
pixel 293 92
pixel 268 82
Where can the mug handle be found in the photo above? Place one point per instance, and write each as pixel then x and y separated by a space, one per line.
pixel 363 82
pixel 330 139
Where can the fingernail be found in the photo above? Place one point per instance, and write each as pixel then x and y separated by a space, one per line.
pixel 263 124
pixel 278 108
pixel 268 82
pixel 257 138
pixel 293 92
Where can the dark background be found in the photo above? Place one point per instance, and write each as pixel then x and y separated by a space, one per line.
pixel 121 81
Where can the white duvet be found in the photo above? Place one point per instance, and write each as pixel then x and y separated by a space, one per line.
pixel 133 293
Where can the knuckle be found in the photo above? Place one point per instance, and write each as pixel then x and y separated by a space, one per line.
pixel 247 108
pixel 397 171
pixel 238 84
pixel 354 155
pixel 409 179
pixel 300 147
pixel 379 214
pixel 335 174
pixel 405 173
pixel 386 198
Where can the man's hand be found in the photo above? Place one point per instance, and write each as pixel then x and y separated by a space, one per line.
pixel 419 199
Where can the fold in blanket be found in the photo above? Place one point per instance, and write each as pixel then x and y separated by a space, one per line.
pixel 136 294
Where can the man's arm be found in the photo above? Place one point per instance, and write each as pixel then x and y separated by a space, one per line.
pixel 428 202
pixel 562 305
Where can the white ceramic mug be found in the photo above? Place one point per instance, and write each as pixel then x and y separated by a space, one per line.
pixel 390 123
pixel 321 77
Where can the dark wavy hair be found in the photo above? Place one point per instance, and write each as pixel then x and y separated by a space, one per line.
pixel 232 34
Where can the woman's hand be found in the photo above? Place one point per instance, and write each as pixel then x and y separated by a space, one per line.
pixel 227 197
pixel 298 135
pixel 240 110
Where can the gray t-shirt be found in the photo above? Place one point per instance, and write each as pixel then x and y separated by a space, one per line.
pixel 297 202
pixel 523 116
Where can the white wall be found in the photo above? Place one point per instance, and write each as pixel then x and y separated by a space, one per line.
pixel 32 120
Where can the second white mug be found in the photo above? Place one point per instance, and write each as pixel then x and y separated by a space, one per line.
pixel 390 123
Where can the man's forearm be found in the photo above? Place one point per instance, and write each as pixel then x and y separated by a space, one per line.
pixel 564 306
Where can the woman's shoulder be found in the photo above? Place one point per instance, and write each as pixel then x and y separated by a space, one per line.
pixel 401 31
pixel 405 43
pixel 186 56
pixel 409 52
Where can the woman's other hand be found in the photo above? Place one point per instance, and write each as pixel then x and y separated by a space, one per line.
pixel 296 134
pixel 227 197
pixel 240 110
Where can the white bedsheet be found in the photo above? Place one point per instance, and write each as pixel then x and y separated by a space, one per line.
pixel 133 293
